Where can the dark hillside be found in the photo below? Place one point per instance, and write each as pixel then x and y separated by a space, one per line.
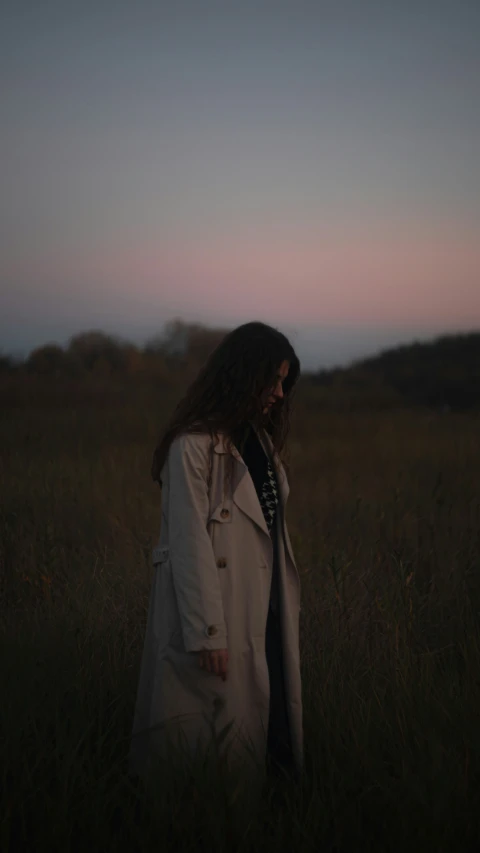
pixel 444 373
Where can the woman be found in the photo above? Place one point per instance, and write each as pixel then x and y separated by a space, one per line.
pixel 221 651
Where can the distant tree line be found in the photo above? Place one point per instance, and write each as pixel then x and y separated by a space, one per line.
pixel 182 347
pixel 444 373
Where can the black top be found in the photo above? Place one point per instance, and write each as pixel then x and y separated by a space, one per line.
pixel 260 469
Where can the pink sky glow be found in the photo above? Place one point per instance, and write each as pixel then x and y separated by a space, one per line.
pixel 412 276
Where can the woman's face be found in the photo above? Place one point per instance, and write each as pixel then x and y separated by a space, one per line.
pixel 276 392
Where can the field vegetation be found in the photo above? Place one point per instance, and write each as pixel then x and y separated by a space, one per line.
pixel 384 517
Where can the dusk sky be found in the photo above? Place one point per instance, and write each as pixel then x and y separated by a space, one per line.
pixel 313 165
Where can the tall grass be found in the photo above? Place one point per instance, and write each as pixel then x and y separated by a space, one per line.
pixel 384 516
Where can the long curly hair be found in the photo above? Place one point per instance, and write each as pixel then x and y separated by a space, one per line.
pixel 231 388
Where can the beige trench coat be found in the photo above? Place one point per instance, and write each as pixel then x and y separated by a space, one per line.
pixel 211 586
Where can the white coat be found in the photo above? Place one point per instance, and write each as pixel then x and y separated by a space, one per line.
pixel 213 571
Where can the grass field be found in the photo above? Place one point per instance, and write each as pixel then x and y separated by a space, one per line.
pixel 384 516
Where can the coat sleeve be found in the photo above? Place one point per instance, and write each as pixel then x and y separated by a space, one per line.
pixel 194 568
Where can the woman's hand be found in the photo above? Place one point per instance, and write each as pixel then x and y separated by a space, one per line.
pixel 215 660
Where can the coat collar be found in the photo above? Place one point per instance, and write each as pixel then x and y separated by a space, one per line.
pixel 244 492
pixel 262 435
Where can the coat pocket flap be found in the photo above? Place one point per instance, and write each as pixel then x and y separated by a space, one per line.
pixel 160 555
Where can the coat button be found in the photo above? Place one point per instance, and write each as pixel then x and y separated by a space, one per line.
pixel 224 513
pixel 221 563
pixel 211 631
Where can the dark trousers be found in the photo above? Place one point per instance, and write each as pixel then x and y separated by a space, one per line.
pixel 279 749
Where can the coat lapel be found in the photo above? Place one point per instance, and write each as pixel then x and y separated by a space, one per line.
pixel 244 492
